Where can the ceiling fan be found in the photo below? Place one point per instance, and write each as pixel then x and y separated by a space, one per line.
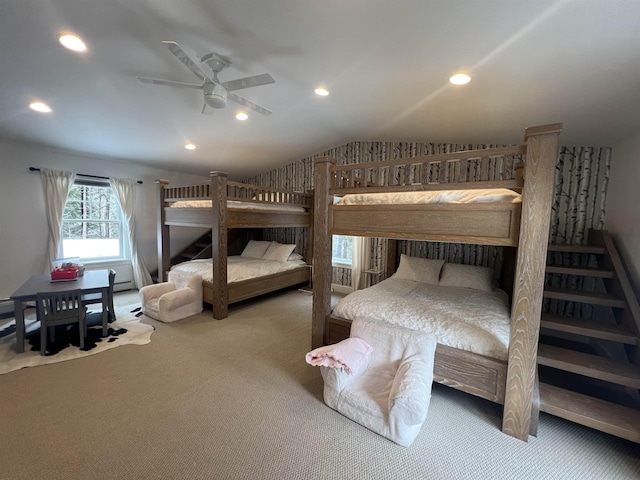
pixel 216 93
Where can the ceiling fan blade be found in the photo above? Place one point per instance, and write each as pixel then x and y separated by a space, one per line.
pixel 207 110
pixel 169 83
pixel 249 104
pixel 184 58
pixel 247 82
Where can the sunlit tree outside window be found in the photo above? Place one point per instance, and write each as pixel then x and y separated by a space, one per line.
pixel 92 226
pixel 342 250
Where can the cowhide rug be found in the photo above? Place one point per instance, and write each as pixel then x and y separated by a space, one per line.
pixel 126 330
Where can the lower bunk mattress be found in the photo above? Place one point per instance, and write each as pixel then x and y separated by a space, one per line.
pixel 238 268
pixel 462 318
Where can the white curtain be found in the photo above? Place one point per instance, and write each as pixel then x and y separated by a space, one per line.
pixel 125 190
pixel 56 186
pixel 360 262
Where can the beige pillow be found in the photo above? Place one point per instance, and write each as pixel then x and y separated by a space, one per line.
pixel 423 270
pixel 278 252
pixel 255 249
pixel 467 276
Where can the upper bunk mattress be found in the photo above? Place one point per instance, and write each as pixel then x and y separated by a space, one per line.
pixel 462 318
pixel 269 207
pixel 494 195
pixel 238 268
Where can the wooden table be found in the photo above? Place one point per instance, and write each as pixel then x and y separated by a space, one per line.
pixel 93 281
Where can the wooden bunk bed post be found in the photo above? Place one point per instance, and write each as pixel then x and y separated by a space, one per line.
pixel 392 254
pixel 220 303
pixel 162 237
pixel 321 271
pixel 310 236
pixel 537 194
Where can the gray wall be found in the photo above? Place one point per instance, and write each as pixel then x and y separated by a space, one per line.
pixel 23 225
pixel 623 205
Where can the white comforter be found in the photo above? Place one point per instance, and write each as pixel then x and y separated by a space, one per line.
pixel 463 318
pixel 238 268
pixel 271 207
pixel 440 196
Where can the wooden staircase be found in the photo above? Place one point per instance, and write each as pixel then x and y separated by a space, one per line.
pixel 201 248
pixel 589 361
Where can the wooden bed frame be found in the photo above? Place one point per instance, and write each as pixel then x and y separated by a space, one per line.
pixel 220 218
pixel 525 226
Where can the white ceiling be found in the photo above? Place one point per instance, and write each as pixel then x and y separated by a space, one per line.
pixel 386 63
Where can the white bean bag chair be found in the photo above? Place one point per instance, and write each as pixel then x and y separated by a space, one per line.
pixel 179 298
pixel 391 393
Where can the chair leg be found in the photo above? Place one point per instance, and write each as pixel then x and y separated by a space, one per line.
pixel 43 339
pixel 82 328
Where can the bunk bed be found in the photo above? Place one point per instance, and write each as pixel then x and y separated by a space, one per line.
pixel 222 205
pixel 524 224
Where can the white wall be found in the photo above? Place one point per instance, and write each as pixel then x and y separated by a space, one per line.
pixel 623 204
pixel 23 226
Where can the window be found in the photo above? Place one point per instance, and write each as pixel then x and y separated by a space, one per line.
pixel 342 251
pixel 92 227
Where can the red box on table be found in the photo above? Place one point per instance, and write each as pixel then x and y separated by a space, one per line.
pixel 64 274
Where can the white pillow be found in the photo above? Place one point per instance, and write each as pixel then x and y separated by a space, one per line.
pixel 255 249
pixel 467 276
pixel 278 252
pixel 294 256
pixel 423 270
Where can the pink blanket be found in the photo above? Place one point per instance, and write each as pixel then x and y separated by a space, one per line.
pixel 349 354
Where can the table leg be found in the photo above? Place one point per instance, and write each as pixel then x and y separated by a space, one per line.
pixel 105 312
pixel 19 313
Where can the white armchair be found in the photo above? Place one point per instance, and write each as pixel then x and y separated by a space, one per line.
pixel 176 299
pixel 391 394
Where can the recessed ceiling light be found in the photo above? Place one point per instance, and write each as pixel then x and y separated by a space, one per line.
pixel 323 92
pixel 72 42
pixel 40 107
pixel 460 79
pixel 190 146
pixel 242 116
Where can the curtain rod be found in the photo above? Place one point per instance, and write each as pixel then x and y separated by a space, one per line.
pixel 34 169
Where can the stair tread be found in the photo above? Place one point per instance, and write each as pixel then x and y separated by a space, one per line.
pixel 582 271
pixel 589 365
pixel 623 422
pixel 595 298
pixel 576 249
pixel 590 328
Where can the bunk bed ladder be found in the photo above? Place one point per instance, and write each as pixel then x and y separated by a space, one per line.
pixel 589 360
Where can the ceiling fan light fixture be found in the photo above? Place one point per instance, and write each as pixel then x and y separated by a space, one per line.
pixel 459 79
pixel 242 116
pixel 215 95
pixel 72 42
pixel 322 92
pixel 190 146
pixel 40 107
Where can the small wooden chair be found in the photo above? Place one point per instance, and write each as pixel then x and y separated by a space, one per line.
pixel 93 298
pixel 60 308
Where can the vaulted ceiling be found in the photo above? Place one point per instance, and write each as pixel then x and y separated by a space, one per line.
pixel 385 63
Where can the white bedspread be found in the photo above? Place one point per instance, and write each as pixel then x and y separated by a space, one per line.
pixel 493 195
pixel 463 318
pixel 272 207
pixel 238 268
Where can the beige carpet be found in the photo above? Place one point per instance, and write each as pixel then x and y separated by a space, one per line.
pixel 234 399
